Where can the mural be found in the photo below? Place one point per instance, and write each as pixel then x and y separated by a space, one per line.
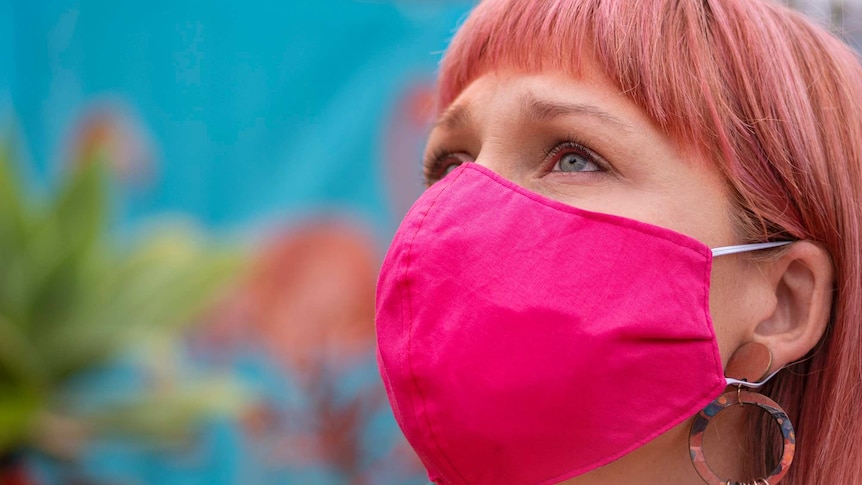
pixel 290 132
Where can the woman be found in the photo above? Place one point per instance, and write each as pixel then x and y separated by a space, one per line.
pixel 561 306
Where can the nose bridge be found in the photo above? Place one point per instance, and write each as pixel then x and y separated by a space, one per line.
pixel 500 154
pixel 501 136
pixel 508 158
pixel 494 164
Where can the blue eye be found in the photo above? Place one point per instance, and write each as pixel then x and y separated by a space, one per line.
pixel 573 157
pixel 575 162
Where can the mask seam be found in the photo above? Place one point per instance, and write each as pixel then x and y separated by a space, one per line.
pixel 597 216
pixel 406 296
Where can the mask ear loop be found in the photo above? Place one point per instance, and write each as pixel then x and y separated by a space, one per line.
pixel 751 385
pixel 744 248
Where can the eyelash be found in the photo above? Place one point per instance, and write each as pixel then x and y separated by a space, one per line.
pixel 559 148
pixel 434 167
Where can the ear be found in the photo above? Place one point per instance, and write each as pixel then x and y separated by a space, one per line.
pixel 803 281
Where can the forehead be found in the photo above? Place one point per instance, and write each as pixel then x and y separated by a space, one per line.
pixel 544 97
pixel 584 69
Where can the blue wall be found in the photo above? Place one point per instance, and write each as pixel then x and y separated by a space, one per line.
pixel 254 110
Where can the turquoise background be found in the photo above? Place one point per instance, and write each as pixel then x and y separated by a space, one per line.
pixel 258 109
pixel 259 114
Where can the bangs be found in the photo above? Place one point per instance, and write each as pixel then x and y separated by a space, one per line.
pixel 661 54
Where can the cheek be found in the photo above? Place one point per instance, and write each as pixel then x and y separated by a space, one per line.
pixel 733 305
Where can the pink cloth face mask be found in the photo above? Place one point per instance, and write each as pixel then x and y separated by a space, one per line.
pixel 525 341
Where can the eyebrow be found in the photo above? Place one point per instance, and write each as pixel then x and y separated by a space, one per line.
pixel 455 117
pixel 459 116
pixel 544 110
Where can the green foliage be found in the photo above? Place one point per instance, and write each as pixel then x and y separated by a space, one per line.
pixel 69 300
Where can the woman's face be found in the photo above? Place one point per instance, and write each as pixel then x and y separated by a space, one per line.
pixel 583 143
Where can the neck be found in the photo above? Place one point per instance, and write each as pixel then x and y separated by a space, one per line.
pixel 666 459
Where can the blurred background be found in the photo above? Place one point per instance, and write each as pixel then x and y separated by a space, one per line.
pixel 195 197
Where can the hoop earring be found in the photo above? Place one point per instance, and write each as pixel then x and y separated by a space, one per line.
pixel 742 398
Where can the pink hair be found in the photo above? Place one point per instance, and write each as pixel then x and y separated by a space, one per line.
pixel 776 103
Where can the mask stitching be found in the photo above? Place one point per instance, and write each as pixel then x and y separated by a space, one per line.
pixel 409 307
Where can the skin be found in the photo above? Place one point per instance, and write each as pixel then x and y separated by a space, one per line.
pixel 521 125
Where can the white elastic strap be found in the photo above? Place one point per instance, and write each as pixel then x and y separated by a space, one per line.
pixel 754 385
pixel 744 248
